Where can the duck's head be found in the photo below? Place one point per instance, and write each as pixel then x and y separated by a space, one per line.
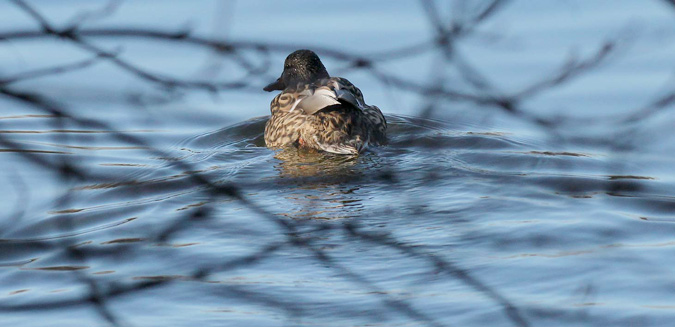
pixel 300 66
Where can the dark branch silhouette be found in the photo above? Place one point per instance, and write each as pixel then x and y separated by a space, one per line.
pixel 484 94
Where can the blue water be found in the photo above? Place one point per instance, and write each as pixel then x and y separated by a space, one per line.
pixel 471 215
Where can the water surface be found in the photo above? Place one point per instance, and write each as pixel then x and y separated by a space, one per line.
pixel 177 214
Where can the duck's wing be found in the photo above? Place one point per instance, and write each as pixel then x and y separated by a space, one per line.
pixel 347 92
pixel 375 123
pixel 311 98
pixel 331 133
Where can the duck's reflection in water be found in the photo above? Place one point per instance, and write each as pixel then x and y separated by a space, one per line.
pixel 321 185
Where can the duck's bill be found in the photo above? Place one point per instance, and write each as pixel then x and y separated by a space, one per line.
pixel 276 85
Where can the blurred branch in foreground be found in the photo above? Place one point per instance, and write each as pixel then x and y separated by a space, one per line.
pixel 484 94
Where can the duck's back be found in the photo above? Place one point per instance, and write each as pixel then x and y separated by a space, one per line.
pixel 330 115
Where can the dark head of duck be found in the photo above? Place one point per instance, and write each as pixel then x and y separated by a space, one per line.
pixel 301 66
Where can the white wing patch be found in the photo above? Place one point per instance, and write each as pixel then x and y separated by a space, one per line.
pixel 318 99
pixel 312 99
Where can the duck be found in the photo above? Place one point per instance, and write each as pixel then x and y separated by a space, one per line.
pixel 317 111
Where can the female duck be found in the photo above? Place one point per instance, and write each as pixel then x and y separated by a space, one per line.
pixel 318 111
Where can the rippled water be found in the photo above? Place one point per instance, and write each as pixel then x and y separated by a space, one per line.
pixel 469 217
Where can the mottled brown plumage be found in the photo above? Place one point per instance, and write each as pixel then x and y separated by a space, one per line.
pixel 318 111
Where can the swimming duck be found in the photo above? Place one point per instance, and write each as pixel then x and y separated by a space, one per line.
pixel 318 111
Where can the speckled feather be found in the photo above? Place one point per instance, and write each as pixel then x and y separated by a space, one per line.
pixel 347 125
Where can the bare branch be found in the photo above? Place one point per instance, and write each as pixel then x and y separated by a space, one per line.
pixel 51 71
